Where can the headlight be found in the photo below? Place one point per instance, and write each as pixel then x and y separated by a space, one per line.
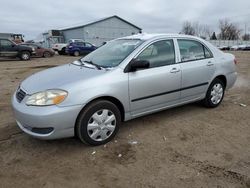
pixel 46 98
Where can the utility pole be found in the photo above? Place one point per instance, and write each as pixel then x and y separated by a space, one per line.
pixel 245 28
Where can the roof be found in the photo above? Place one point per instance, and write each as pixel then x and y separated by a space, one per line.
pixel 100 20
pixel 145 36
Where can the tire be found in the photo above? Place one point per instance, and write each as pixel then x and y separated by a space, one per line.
pixel 46 54
pixel 62 51
pixel 25 55
pixel 215 94
pixel 76 53
pixel 98 123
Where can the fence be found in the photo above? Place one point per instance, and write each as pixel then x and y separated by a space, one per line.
pixel 229 43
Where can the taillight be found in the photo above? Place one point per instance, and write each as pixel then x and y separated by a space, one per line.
pixel 235 61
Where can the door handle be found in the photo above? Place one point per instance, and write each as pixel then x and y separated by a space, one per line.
pixel 210 63
pixel 174 70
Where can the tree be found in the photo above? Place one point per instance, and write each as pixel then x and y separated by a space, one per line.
pixel 194 28
pixel 246 37
pixel 202 30
pixel 213 37
pixel 187 28
pixel 228 30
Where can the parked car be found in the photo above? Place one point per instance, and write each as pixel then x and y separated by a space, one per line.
pixel 79 48
pixel 126 78
pixel 247 48
pixel 10 49
pixel 239 47
pixel 60 48
pixel 40 51
pixel 224 48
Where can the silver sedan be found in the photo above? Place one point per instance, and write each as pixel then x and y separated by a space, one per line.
pixel 124 79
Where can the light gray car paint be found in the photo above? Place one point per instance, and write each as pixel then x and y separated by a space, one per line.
pixel 86 84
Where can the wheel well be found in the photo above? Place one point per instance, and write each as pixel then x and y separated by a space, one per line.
pixel 223 79
pixel 107 98
pixel 22 51
pixel 25 51
pixel 113 100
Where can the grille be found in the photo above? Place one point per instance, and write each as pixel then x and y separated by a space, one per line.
pixel 20 94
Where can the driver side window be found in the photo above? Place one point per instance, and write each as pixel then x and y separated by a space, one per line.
pixel 158 54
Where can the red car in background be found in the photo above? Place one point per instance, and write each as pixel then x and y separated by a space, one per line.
pixel 40 51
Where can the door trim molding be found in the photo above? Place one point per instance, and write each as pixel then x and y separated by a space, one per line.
pixel 168 92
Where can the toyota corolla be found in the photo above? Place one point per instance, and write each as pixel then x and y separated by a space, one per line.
pixel 126 78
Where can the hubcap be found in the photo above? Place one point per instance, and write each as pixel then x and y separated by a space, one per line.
pixel 101 125
pixel 25 56
pixel 47 54
pixel 216 93
pixel 76 53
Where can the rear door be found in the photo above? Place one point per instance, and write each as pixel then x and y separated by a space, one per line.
pixel 8 49
pixel 158 86
pixel 197 65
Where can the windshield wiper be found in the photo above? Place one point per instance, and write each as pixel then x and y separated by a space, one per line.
pixel 96 65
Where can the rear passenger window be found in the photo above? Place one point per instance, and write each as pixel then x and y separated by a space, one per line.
pixel 192 50
pixel 208 54
pixel 80 43
pixel 158 54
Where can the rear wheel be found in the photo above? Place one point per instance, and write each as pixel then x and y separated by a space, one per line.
pixel 98 123
pixel 215 94
pixel 46 54
pixel 25 55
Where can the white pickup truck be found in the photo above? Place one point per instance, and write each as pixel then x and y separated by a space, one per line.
pixel 60 48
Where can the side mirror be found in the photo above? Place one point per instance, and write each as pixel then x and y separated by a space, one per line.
pixel 13 45
pixel 137 64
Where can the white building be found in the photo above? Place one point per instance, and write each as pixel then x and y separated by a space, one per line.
pixel 95 32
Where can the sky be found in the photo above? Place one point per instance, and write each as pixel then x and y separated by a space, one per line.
pixel 32 17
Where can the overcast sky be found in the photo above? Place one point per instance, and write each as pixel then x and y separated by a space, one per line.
pixel 31 17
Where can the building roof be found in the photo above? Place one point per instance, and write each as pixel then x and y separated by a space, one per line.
pixel 100 20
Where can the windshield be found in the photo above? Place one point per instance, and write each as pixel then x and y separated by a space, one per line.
pixel 112 53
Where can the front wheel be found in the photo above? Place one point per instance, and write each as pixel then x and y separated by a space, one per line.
pixel 25 56
pixel 46 54
pixel 98 123
pixel 215 94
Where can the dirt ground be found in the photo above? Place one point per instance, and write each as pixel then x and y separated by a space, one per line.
pixel 188 146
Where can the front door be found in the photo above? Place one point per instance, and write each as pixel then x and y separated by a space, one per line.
pixel 157 86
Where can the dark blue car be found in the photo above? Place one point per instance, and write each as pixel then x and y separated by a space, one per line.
pixel 78 48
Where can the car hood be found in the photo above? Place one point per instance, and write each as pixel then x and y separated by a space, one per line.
pixel 58 77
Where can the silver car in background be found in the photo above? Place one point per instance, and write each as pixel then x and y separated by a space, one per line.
pixel 124 79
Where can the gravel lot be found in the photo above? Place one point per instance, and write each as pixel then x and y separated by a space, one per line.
pixel 188 146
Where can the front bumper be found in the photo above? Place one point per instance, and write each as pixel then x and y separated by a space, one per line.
pixel 49 122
